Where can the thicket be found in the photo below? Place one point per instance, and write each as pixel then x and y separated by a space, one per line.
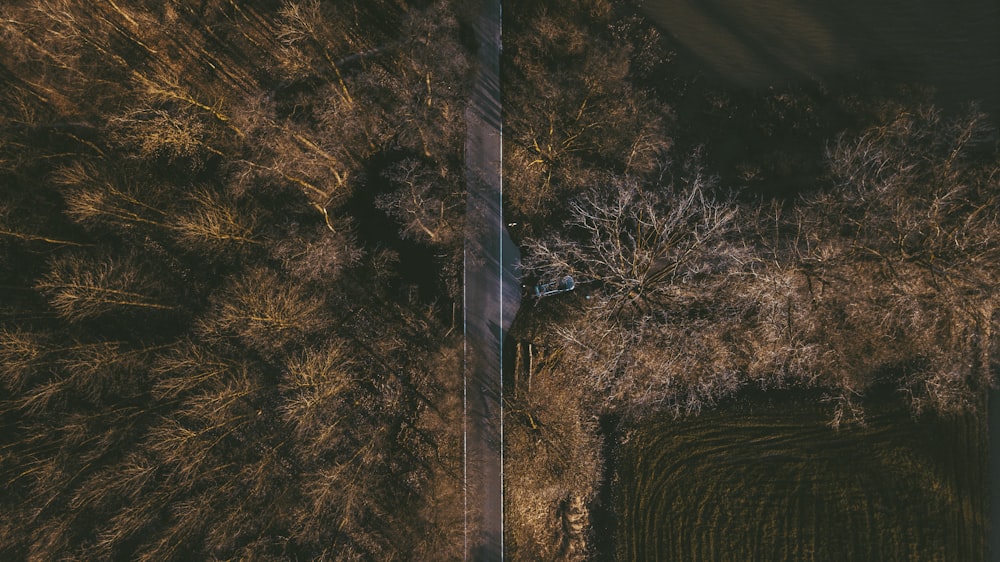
pixel 880 271
pixel 203 354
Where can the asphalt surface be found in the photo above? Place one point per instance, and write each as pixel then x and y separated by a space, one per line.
pixel 492 296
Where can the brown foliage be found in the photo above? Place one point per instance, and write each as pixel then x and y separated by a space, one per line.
pixel 158 156
pixel 425 204
pixel 569 120
pixel 318 386
pixel 553 461
pixel 215 224
pixel 80 288
pixel 318 254
pixel 94 199
pixel 887 277
pixel 153 132
pixel 265 313
pixel 640 242
pixel 921 211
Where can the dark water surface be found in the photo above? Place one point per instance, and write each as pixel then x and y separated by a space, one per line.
pixel 951 46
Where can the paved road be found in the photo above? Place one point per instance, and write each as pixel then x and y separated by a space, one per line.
pixel 492 295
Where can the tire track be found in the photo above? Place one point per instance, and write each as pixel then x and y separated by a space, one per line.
pixel 781 485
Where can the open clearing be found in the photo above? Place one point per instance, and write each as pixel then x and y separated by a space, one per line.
pixel 769 480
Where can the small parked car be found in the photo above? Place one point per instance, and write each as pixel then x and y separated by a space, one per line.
pixel 564 285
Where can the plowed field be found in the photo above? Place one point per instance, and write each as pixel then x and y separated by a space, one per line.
pixel 775 483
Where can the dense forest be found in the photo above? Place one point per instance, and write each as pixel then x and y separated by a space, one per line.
pixel 853 246
pixel 214 341
pixel 231 244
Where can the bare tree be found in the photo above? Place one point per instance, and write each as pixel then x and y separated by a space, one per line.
pixel 317 254
pixel 553 462
pixel 169 86
pixel 130 478
pixel 22 354
pixel 662 267
pixel 265 312
pixel 188 366
pixel 640 243
pixel 79 287
pixel 214 224
pixel 93 199
pixel 316 35
pixel 423 203
pixel 15 225
pixel 317 387
pixel 920 208
pixel 103 371
pixel 319 162
pixel 153 132
pixel 428 83
pixel 147 143
pixel 568 122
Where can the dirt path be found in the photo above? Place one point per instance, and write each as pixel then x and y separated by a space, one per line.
pixel 492 296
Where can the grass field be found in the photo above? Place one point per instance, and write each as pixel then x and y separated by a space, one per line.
pixel 772 482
